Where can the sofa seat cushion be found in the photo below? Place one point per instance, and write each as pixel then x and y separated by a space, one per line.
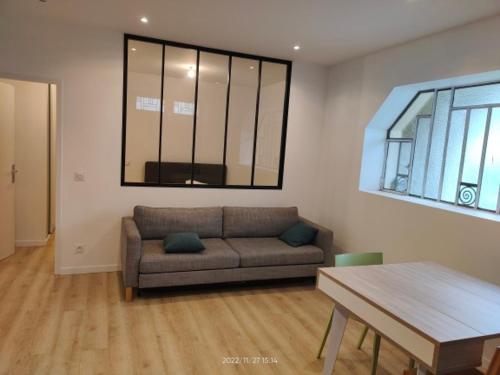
pixel 257 252
pixel 217 255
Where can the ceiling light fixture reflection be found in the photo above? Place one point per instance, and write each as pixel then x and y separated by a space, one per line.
pixel 144 19
pixel 251 66
pixel 296 47
pixel 134 49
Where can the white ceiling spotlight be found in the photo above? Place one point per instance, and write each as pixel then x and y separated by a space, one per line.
pixel 296 47
pixel 134 49
pixel 191 73
pixel 144 19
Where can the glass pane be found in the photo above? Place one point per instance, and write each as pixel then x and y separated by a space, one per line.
pixel 453 156
pixel 490 185
pixel 272 99
pixel 478 95
pixel 437 144
pixel 474 147
pixel 178 116
pixel 403 167
pixel 418 167
pixel 143 110
pixel 211 119
pixel 406 124
pixel 391 168
pixel 241 121
pixel 472 157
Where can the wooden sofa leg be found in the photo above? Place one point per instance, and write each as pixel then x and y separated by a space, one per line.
pixel 129 294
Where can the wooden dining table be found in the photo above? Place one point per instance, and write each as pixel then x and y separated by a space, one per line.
pixel 438 316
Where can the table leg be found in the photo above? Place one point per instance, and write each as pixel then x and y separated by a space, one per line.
pixel 337 330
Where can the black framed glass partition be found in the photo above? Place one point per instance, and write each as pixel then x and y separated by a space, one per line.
pixel 201 117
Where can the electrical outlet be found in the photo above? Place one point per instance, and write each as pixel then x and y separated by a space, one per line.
pixel 79 249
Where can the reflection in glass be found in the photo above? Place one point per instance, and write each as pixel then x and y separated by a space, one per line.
pixel 178 116
pixel 272 99
pixel 210 123
pixel 241 121
pixel 143 108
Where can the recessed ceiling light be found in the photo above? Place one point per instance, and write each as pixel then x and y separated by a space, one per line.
pixel 251 66
pixel 191 72
pixel 144 20
pixel 296 47
pixel 134 49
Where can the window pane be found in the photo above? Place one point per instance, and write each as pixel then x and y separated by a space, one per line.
pixel 478 95
pixel 391 168
pixel 178 116
pixel 490 185
pixel 210 123
pixel 453 156
pixel 474 147
pixel 241 121
pixel 418 167
pixel 143 110
pixel 403 167
pixel 437 144
pixel 472 157
pixel 272 99
pixel 421 106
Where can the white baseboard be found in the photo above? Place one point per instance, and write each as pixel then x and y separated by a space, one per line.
pixel 88 269
pixel 32 243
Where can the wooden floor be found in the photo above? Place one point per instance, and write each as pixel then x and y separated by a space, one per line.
pixel 80 325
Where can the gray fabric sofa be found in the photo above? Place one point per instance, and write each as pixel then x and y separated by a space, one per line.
pixel 241 244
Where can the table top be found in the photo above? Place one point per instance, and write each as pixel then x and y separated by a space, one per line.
pixel 441 304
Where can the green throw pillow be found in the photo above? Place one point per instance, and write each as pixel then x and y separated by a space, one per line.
pixel 183 243
pixel 298 235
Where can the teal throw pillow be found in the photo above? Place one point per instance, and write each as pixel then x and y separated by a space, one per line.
pixel 298 235
pixel 186 242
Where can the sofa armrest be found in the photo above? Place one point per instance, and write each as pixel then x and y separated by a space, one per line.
pixel 131 248
pixel 324 240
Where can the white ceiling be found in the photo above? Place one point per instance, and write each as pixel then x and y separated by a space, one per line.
pixel 327 30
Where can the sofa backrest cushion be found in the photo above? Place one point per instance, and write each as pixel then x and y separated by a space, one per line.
pixel 258 221
pixel 156 223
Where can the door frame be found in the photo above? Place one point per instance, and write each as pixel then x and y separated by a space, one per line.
pixel 59 148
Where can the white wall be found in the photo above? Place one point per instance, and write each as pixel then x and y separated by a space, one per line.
pixel 87 63
pixel 403 231
pixel 31 157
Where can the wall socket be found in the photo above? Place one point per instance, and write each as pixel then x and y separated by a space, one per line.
pixel 79 249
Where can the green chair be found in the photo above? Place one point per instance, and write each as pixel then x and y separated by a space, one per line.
pixel 357 259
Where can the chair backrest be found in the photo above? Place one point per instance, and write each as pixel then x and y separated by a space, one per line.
pixel 358 259
pixel 494 368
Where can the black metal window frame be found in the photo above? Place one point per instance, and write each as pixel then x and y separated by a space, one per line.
pixel 231 55
pixel 460 183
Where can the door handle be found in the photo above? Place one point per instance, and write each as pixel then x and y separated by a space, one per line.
pixel 13 172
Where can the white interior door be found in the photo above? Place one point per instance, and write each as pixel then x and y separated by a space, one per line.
pixel 7 171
